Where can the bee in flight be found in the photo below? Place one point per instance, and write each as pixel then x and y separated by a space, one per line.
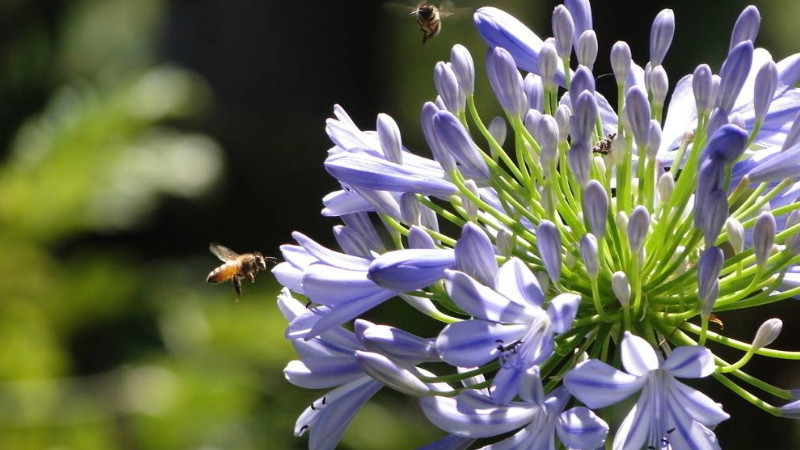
pixel 429 16
pixel 235 267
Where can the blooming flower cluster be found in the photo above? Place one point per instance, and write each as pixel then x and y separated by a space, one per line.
pixel 593 246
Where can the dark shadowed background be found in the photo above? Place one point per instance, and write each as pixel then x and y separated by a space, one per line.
pixel 136 132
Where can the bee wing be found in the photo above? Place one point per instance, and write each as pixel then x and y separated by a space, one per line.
pixel 222 252
pixel 399 9
pixel 449 9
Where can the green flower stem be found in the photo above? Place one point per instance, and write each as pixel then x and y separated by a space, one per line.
pixel 739 345
pixel 738 390
pixel 656 285
pixel 495 147
pixel 680 338
pixel 763 200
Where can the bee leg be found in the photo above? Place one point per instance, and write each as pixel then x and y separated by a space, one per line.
pixel 251 276
pixel 237 285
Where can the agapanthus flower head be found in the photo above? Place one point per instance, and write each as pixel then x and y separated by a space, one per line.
pixel 577 233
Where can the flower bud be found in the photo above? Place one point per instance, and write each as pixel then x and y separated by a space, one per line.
pixel 733 74
pixel 658 85
pixel 637 111
pixel 548 138
pixel 532 120
pixel 793 241
pixel 595 208
pixel 456 140
pixel 410 208
pixel 727 144
pixel 621 288
pixel 746 27
pixel 653 139
pixel 589 254
pixel 708 269
pixel 464 68
pixel 583 122
pixel 534 91
pixel 767 333
pixel 548 64
pixel 506 242
pixel 394 342
pixel 735 232
pixel 506 81
pixel 389 138
pixel 638 226
pixel 391 374
pixel 498 130
pixel 469 206
pixel 420 239
pixel 549 243
pixel 714 215
pixel 563 29
pixel 763 237
pixel 666 185
pixel 475 254
pixel 583 80
pixel 716 121
pixel 563 116
pixel 580 162
pixel 707 303
pixel 581 12
pixel 702 86
pixel 351 242
pixel 621 221
pixel 661 36
pixel 447 86
pixel 793 136
pixel 587 49
pixel 621 61
pixel 764 89
pixel 440 153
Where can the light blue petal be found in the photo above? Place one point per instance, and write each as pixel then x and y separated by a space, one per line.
pixel 329 256
pixel 338 203
pixel 681 116
pixel 635 429
pixel 788 73
pixel 340 406
pixel 581 428
pixel 698 405
pixel 325 372
pixel 638 357
pixel 398 343
pixel 369 171
pixel 347 312
pixel 443 412
pixel 483 302
pixel 473 343
pixel 525 438
pixel 500 29
pixel 562 311
pixel 333 286
pixel 530 387
pixel 351 242
pixel 778 166
pixel 289 306
pixel 598 385
pixel 449 442
pixel 516 281
pixel 505 385
pixel 689 433
pixel 391 373
pixel 475 254
pixel 411 269
pixel 690 362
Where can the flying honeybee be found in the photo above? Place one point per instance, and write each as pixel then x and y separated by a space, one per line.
pixel 235 267
pixel 429 16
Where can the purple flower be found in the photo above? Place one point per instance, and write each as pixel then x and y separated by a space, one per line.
pixel 508 323
pixel 538 417
pixel 667 411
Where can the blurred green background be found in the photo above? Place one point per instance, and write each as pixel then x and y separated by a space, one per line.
pixel 135 132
